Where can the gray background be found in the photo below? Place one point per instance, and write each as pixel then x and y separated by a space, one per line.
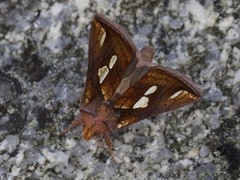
pixel 43 63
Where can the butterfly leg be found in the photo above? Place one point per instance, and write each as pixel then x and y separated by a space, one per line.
pixel 74 124
pixel 108 141
pixel 109 144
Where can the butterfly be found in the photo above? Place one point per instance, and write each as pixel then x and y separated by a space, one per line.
pixel 123 86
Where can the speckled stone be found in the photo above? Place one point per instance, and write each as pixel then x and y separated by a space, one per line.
pixel 43 64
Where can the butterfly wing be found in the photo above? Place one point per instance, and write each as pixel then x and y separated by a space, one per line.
pixel 111 58
pixel 159 90
pixel 135 90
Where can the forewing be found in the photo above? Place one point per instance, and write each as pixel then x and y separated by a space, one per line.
pixel 111 58
pixel 159 90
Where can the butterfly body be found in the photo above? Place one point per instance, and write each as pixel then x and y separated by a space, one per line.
pixel 123 86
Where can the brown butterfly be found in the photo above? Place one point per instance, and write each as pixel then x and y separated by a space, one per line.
pixel 123 85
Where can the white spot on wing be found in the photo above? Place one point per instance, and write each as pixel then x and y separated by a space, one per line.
pixel 119 126
pixel 141 103
pixel 112 61
pixel 150 90
pixel 124 107
pixel 102 73
pixel 103 38
pixel 176 94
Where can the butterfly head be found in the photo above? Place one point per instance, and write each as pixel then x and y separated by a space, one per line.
pixel 101 122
